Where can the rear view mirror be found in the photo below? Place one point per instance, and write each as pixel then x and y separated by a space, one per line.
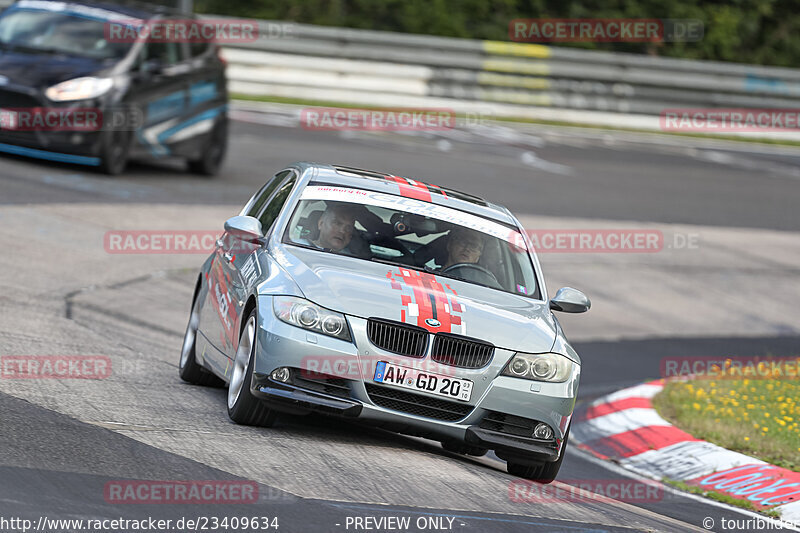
pixel 569 300
pixel 245 228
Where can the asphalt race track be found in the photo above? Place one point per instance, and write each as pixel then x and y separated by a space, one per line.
pixel 733 292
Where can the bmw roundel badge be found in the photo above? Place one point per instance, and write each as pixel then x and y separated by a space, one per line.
pixel 432 322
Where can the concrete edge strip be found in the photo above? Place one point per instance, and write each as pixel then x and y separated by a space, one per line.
pixel 625 428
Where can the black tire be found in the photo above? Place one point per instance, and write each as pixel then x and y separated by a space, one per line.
pixel 463 448
pixel 189 369
pixel 214 152
pixel 543 473
pixel 243 407
pixel 116 145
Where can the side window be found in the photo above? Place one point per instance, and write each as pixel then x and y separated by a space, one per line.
pixel 198 46
pixel 263 195
pixel 273 208
pixel 167 53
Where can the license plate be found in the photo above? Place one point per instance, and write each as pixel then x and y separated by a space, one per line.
pixel 414 379
pixel 8 119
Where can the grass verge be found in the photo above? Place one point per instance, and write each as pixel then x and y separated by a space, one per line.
pixel 757 417
pixel 720 497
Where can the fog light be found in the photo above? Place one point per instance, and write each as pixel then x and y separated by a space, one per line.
pixel 542 431
pixel 282 374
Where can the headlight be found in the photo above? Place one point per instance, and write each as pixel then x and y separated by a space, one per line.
pixel 79 89
pixel 307 315
pixel 539 367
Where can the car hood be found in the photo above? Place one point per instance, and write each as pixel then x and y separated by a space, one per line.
pixel 44 70
pixel 368 289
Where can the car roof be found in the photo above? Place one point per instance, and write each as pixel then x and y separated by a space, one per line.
pixel 130 8
pixel 409 188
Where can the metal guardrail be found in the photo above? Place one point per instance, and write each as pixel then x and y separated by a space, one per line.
pixel 500 72
pixel 367 67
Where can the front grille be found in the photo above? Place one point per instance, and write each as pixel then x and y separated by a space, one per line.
pixel 509 424
pixel 461 352
pixel 397 337
pixel 14 99
pixel 22 138
pixel 321 383
pixel 417 404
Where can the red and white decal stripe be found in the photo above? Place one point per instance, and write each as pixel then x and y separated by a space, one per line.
pixel 411 189
pixel 428 299
pixel 624 427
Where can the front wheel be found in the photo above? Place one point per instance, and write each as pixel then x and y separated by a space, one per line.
pixel 544 473
pixel 463 448
pixel 116 146
pixel 243 407
pixel 210 161
pixel 189 369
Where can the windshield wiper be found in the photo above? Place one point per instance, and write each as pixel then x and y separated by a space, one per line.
pixel 397 263
pixel 33 49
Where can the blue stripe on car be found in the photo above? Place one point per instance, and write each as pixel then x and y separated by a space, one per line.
pixel 50 156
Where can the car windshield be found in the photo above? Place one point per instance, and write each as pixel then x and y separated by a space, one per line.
pixel 410 233
pixel 53 32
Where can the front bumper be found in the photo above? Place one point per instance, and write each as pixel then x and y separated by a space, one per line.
pixel 293 399
pixel 81 147
pixel 355 395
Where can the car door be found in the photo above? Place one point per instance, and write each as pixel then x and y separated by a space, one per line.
pixel 208 98
pixel 243 268
pixel 161 91
pixel 221 312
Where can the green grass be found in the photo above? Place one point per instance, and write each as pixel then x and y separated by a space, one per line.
pixel 720 497
pixel 322 103
pixel 757 417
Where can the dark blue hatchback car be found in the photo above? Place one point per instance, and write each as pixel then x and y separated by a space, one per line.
pixel 71 92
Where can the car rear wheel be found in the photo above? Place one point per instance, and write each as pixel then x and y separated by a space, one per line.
pixel 189 369
pixel 213 155
pixel 243 407
pixel 463 448
pixel 544 473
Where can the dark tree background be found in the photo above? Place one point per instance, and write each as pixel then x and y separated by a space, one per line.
pixel 748 31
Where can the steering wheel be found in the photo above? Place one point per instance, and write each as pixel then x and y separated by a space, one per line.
pixel 491 280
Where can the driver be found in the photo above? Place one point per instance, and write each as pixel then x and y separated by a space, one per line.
pixel 463 246
pixel 335 228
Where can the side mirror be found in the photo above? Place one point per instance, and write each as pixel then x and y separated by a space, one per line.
pixel 245 228
pixel 570 300
pixel 152 67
